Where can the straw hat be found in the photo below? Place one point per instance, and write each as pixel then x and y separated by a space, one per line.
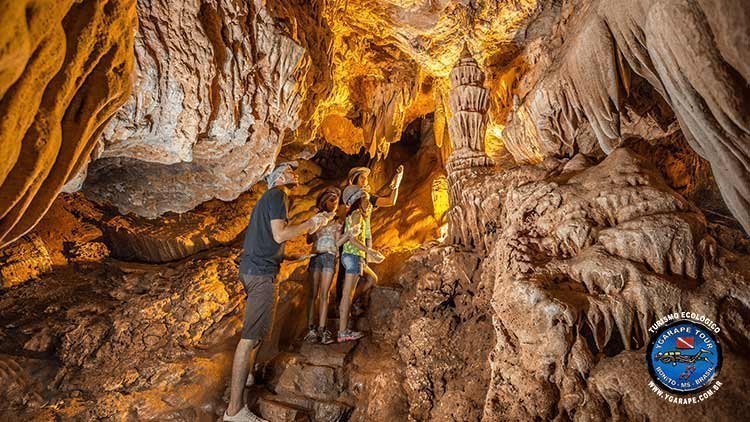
pixel 356 171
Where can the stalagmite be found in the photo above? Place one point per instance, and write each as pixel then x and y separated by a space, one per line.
pixel 469 103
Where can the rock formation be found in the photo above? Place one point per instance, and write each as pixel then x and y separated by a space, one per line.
pixel 588 262
pixel 208 122
pixel 27 258
pixel 65 68
pixel 688 51
pixel 469 101
pixel 577 176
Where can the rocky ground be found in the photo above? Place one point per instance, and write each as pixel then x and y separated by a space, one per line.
pixel 580 258
pixel 110 316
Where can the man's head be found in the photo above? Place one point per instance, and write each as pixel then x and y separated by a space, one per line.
pixel 283 175
pixel 358 176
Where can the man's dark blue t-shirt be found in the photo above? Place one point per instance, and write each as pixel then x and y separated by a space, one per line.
pixel 262 255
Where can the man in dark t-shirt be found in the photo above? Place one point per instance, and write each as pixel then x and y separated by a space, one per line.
pixel 266 234
pixel 262 255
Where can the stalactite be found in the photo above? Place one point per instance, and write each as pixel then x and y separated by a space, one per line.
pixel 660 42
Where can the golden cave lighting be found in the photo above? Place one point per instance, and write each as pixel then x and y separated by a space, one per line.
pixel 387 58
pixel 440 199
pixel 493 140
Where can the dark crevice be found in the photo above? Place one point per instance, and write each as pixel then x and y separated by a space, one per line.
pixel 211 21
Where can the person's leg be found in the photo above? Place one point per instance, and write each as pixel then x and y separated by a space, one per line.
pixel 353 266
pixel 361 294
pixel 325 286
pixel 244 358
pixel 370 280
pixel 340 278
pixel 313 298
pixel 346 300
pixel 312 335
pixel 258 316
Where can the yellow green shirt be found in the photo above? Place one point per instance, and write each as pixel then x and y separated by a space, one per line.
pixel 364 233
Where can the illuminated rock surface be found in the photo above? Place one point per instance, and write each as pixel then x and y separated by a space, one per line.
pixel 586 72
pixel 578 171
pixel 64 70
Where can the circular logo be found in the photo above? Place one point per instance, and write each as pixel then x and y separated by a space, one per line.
pixel 684 357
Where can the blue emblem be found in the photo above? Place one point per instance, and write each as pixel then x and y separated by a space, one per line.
pixel 684 357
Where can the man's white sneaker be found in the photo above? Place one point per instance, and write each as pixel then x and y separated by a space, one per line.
pixel 244 415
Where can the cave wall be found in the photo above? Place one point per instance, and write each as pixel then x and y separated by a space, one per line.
pixel 689 51
pixel 207 121
pixel 584 261
pixel 579 253
pixel 65 69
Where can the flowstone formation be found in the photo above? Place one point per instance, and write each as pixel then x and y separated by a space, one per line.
pixel 690 52
pixel 585 262
pixel 65 68
pixel 583 259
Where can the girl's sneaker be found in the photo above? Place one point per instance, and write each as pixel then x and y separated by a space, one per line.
pixel 349 335
pixel 326 337
pixel 312 336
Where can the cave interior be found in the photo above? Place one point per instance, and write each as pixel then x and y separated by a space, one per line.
pixel 574 171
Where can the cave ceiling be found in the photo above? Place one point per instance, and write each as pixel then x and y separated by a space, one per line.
pixel 209 121
pixel 197 99
pixel 401 52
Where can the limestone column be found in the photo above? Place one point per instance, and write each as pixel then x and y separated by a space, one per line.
pixel 469 102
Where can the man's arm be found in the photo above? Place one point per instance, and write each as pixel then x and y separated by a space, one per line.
pixel 283 231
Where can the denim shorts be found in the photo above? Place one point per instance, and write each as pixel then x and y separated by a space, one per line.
pixel 323 262
pixel 353 264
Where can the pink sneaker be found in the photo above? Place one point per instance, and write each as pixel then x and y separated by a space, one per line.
pixel 349 335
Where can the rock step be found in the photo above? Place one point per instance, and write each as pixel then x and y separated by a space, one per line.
pixel 293 375
pixel 274 409
pixel 309 383
pixel 292 408
pixel 333 355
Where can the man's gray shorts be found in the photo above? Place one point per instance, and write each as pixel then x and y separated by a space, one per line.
pixel 259 305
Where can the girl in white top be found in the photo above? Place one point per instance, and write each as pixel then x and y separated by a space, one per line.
pixel 326 243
